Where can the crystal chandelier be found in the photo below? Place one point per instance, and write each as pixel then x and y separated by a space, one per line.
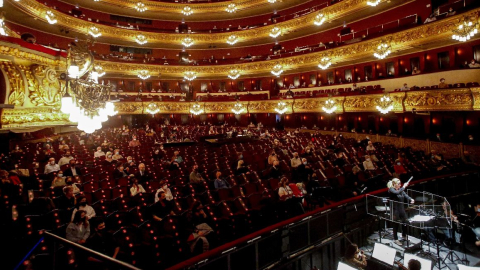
pixel 319 19
pixel 385 105
pixel 272 1
pixel 465 31
pixel 281 107
pixel 3 28
pixel 232 39
pixel 152 108
pixel 86 101
pixel 51 18
pixel 196 109
pixel 99 70
pixel 143 74
pixel 187 11
pixel 277 70
pixel 141 39
pixel 94 32
pixel 231 8
pixel 187 42
pixel 382 51
pixel 329 106
pixel 325 63
pixel 275 32
pixel 190 75
pixel 233 74
pixel 373 3
pixel 238 108
pixel 140 7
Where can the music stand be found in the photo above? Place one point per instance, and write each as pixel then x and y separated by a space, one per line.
pixel 378 207
pixel 384 254
pixel 344 266
pixel 463 267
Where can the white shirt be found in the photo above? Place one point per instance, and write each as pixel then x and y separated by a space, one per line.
pixel 134 191
pixel 99 154
pixel 51 168
pixel 168 194
pixel 285 191
pixel 90 212
pixel 64 160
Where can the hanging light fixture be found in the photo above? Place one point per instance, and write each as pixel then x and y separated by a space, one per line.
pixel 281 107
pixel 152 108
pixel 51 18
pixel 465 31
pixel 196 109
pixel 190 75
pixel 385 104
pixel 238 108
pixel 99 69
pixel 187 11
pixel 277 70
pixel 272 1
pixel 382 51
pixel 94 32
pixel 232 39
pixel 325 63
pixel 329 106
pixel 187 42
pixel 231 8
pixel 275 32
pixel 233 74
pixel 373 3
pixel 3 28
pixel 140 7
pixel 319 19
pixel 143 74
pixel 141 39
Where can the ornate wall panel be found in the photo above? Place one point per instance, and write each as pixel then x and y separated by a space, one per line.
pixel 448 150
pixel 473 150
pixel 129 107
pixel 395 141
pixel 16 85
pixel 268 106
pixel 439 100
pixel 38 116
pixel 416 144
pixel 476 98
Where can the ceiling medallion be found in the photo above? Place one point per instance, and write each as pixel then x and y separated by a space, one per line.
pixel 373 3
pixel 277 70
pixel 465 31
pixel 94 32
pixel 143 74
pixel 329 106
pixel 152 108
pixel 385 105
pixel 51 18
pixel 325 63
pixel 382 51
pixel 141 39
pixel 140 7
pixel 281 107
pixel 234 74
pixel 238 108
pixel 319 19
pixel 190 75
pixel 232 39
pixel 196 109
pixel 187 11
pixel 231 8
pixel 187 42
pixel 275 32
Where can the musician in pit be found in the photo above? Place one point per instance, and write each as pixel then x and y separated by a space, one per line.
pixel 397 194
pixel 355 257
pixel 476 224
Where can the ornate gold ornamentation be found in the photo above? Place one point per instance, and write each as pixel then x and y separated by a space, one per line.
pixel 448 150
pixel 17 86
pixel 439 100
pixel 416 144
pixel 18 51
pixel 267 106
pixel 130 107
pixel 43 85
pixel 476 98
pixel 27 117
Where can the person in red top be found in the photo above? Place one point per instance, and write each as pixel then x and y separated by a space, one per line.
pixel 399 169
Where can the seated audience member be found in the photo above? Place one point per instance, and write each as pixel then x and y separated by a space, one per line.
pixel 473 64
pixel 407 72
pixel 51 166
pixel 389 133
pixel 109 161
pixel 177 158
pixel 157 155
pixel 442 83
pixel 130 163
pixel 275 170
pixel 272 157
pixel 78 230
pixel 67 201
pixel 195 176
pixel 69 182
pixel 220 182
pixel 241 168
pixel 368 164
pixel 102 241
pixel 399 169
pixel 164 188
pixel 72 169
pixel 390 74
pixel 16 150
pixel 339 159
pixel 303 171
pixel 405 87
pixel 284 190
pixel 416 71
pixel 99 153
pixel 197 240
pixel 134 142
pixel 351 181
pixel 120 172
pixel 142 174
pixel 355 257
pixel 162 208
pixel 65 159
pixel 59 180
pixel 82 205
pixel 136 188
pixel 431 18
pixel 116 155
pixel 295 161
pixel 48 151
pixel 451 12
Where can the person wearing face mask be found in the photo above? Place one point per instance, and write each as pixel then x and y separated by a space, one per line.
pixel 99 153
pixel 59 180
pixel 164 188
pixel 134 142
pixel 72 169
pixel 109 159
pixel 116 155
pixel 78 230
pixel 130 163
pixel 65 159
pixel 51 166
pixel 142 174
pixel 82 205
pixel 368 164
pixel 120 172
pixel 295 161
pixel 273 157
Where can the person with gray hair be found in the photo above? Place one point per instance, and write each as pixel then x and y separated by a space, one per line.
pixel 397 194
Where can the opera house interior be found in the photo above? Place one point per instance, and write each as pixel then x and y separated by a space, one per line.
pixel 240 134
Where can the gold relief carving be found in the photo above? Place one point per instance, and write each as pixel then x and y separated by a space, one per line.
pixel 448 150
pixel 349 135
pixel 129 107
pixel 174 107
pixel 360 103
pixel 268 106
pixel 476 98
pixel 307 105
pixel 38 116
pixel 15 79
pixel 222 107
pixel 43 85
pixel 439 100
pixel 416 144
pixel 395 141
pixel 18 51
